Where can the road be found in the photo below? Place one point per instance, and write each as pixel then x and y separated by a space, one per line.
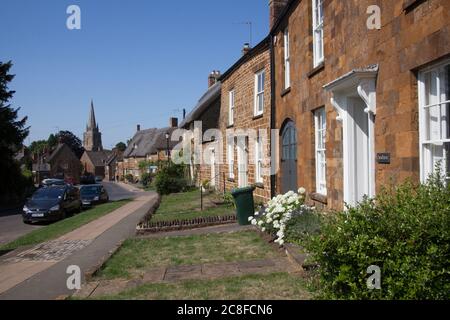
pixel 12 227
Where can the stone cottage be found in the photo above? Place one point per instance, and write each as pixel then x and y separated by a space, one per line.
pixel 203 162
pixel 359 107
pixel 244 121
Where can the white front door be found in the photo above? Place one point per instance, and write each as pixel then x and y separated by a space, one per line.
pixel 359 156
pixel 242 165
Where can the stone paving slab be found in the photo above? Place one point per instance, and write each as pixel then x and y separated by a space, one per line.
pixel 183 273
pixel 214 271
pixel 154 275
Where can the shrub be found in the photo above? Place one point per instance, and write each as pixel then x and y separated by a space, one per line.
pixel 404 231
pixel 146 179
pixel 302 226
pixel 129 178
pixel 170 179
pixel 279 211
pixel 228 199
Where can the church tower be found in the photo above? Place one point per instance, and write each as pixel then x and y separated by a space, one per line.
pixel 92 137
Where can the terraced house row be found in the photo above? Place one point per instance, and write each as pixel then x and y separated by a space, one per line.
pixel 356 107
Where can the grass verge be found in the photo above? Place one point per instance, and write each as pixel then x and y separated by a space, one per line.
pixel 138 255
pixel 186 206
pixel 62 227
pixel 277 286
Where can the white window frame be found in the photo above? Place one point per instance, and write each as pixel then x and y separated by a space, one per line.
pixel 318 45
pixel 230 158
pixel 259 95
pixel 320 128
pixel 259 160
pixel 231 105
pixel 427 143
pixel 287 60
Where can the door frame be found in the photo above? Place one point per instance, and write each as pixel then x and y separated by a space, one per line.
pixel 349 148
pixel 361 84
pixel 242 155
pixel 213 166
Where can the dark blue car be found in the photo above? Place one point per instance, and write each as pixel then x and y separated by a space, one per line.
pixel 52 204
pixel 92 195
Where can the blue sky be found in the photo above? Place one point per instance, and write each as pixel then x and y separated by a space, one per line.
pixel 141 61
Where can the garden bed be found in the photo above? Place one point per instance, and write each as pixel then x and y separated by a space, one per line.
pixel 181 211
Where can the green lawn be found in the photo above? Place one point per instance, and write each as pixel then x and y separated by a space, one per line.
pixel 62 227
pixel 138 255
pixel 277 286
pixel 186 206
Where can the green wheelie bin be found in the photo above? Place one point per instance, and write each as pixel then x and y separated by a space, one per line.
pixel 243 197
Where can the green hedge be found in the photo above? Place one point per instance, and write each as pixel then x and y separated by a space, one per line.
pixel 170 179
pixel 404 231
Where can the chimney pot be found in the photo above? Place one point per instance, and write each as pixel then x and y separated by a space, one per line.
pixel 213 78
pixel 246 48
pixel 173 122
pixel 138 127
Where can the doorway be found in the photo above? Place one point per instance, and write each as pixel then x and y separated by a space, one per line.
pixel 289 158
pixel 358 157
pixel 213 167
pixel 242 151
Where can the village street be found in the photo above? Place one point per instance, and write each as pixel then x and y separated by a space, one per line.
pixel 46 264
pixel 12 226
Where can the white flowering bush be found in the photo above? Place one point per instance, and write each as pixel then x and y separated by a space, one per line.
pixel 279 211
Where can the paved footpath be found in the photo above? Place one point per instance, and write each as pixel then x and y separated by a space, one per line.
pixel 39 272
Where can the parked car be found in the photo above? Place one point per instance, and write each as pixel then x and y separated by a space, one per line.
pixel 52 203
pixel 87 180
pixel 98 179
pixel 52 182
pixel 92 195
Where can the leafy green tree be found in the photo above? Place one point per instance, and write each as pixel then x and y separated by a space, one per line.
pixel 13 132
pixel 38 146
pixel 121 146
pixel 72 141
pixel 52 141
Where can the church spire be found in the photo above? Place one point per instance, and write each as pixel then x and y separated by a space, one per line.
pixel 92 124
pixel 92 140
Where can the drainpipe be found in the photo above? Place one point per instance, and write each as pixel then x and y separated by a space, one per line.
pixel 272 108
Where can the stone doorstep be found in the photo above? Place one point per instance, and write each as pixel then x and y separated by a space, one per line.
pixel 294 254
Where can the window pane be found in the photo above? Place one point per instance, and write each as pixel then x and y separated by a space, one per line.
pixel 433 126
pixel 445 83
pixel 431 94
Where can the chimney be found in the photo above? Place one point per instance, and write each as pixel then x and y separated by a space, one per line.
pixel 213 78
pixel 184 113
pixel 173 122
pixel 276 7
pixel 246 48
pixel 138 128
